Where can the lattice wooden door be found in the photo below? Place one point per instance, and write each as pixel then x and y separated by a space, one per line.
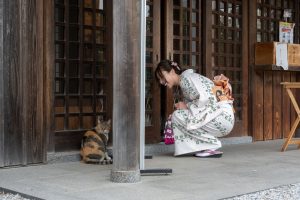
pixel 226 52
pixel 211 46
pixel 183 42
pixel 82 89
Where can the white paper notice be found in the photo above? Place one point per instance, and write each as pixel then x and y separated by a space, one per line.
pixel 286 32
pixel 281 56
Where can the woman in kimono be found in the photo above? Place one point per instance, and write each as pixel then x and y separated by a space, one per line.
pixel 200 118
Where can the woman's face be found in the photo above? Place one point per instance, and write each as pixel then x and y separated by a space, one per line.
pixel 169 79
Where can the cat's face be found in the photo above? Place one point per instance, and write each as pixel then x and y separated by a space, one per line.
pixel 103 127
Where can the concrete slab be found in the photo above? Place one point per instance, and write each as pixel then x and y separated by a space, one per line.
pixel 150 149
pixel 244 168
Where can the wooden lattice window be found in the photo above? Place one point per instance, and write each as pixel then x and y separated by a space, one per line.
pixel 80 64
pixel 227 45
pixel 269 13
pixel 186 33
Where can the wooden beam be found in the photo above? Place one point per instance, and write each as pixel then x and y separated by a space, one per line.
pixel 126 90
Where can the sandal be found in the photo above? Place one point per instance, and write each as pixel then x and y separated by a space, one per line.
pixel 209 154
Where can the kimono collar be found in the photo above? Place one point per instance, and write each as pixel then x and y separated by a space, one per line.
pixel 188 71
pixel 185 73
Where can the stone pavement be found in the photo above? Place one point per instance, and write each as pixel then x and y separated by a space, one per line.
pixel 244 168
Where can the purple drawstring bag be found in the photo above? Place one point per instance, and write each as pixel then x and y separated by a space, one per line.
pixel 168 132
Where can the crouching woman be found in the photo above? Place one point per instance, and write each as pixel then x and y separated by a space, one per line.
pixel 201 117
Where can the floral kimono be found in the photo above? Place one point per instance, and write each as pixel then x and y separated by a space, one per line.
pixel 197 128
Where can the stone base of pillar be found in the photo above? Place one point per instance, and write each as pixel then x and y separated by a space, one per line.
pixel 125 176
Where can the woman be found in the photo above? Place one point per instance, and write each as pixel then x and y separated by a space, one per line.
pixel 200 118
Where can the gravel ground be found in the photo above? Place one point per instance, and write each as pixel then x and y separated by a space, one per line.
pixel 285 192
pixel 6 196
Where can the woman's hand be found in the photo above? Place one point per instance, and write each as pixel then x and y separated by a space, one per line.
pixel 180 106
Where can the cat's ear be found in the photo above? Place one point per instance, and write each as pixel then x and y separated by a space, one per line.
pixel 109 121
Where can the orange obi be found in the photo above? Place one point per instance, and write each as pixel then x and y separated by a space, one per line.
pixel 222 88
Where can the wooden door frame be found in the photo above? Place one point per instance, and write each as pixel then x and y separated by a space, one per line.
pixel 57 138
pixel 246 71
pixel 166 54
pixel 207 31
pixel 49 71
pixel 254 101
pixel 152 133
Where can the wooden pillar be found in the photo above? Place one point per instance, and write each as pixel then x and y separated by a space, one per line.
pixel 1 87
pixel 126 90
pixel 12 98
pixel 22 138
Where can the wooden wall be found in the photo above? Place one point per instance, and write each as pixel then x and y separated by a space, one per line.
pixel 22 136
pixel 273 113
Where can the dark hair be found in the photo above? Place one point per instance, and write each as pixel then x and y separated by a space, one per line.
pixel 166 65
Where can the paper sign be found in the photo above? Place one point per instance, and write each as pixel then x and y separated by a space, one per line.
pixel 281 56
pixel 286 32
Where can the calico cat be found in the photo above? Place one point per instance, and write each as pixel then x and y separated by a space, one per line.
pixel 94 144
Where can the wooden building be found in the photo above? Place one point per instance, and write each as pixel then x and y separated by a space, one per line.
pixel 56 71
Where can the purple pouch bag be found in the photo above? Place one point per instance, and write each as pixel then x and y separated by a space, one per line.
pixel 168 132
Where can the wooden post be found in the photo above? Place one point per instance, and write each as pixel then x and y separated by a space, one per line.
pixel 22 138
pixel 126 90
pixel 1 87
pixel 12 95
